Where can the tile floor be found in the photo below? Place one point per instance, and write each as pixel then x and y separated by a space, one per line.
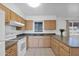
pixel 39 52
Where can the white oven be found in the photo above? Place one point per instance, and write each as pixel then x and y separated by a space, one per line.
pixel 21 46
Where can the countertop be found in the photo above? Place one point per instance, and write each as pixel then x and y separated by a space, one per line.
pixel 9 43
pixel 72 41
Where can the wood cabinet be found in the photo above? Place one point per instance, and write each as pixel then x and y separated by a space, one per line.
pixel 62 49
pixel 39 41
pixel 7 15
pixel 50 24
pixel 29 24
pixel 26 42
pixel 18 19
pixel 13 16
pixel 12 50
pixel 32 41
pixel 52 44
pixel 44 41
pixel 55 46
pixel 65 47
pixel 63 52
pixel 10 15
pixel 21 20
pixel 74 51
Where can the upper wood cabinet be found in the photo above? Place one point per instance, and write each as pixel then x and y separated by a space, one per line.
pixel 49 24
pixel 13 16
pixel 7 12
pixel 18 19
pixel 21 20
pixel 7 15
pixel 29 24
pixel 23 27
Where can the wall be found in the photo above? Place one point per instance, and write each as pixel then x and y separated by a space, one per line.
pixel 60 22
pixel 2 33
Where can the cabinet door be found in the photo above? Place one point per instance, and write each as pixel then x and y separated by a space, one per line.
pixel 56 49
pixel 13 16
pixel 18 19
pixel 32 42
pixel 63 52
pixel 7 15
pixel 29 25
pixel 23 27
pixel 26 42
pixel 11 51
pixel 49 24
pixel 44 41
pixel 56 46
pixel 51 43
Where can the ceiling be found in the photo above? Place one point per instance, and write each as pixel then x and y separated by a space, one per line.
pixel 57 9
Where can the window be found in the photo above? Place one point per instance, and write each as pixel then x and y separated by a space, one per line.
pixel 74 24
pixel 38 26
pixel 74 27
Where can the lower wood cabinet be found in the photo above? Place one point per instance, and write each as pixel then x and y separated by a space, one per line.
pixel 74 51
pixel 39 41
pixel 63 52
pixel 44 41
pixel 12 50
pixel 56 49
pixel 61 49
pixel 32 42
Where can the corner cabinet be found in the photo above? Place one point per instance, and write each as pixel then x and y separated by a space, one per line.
pixel 61 49
pixel 49 24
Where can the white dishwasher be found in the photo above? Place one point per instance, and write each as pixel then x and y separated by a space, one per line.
pixel 21 45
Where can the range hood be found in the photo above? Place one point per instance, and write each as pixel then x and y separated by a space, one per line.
pixel 17 24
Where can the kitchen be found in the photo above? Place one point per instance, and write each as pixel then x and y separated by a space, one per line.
pixel 38 33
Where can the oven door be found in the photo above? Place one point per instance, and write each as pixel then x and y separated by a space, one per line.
pixel 22 47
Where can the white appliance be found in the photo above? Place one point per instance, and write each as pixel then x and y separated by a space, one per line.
pixel 10 32
pixel 15 23
pixel 21 46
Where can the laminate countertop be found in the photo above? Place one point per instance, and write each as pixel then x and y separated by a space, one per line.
pixel 72 41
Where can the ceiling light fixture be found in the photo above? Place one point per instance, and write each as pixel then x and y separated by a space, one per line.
pixel 34 5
